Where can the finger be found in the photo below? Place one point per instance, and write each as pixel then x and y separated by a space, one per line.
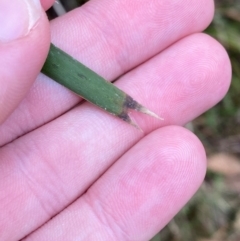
pixel 116 45
pixel 138 195
pixel 70 153
pixel 24 42
pixel 47 4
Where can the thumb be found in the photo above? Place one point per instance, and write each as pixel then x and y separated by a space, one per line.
pixel 24 44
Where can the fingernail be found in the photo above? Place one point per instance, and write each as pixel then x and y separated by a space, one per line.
pixel 17 18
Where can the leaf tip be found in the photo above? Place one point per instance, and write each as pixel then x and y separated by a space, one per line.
pixel 130 103
pixel 146 111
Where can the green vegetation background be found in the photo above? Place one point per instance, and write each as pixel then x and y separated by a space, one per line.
pixel 213 214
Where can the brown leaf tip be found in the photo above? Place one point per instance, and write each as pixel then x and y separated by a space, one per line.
pixel 130 103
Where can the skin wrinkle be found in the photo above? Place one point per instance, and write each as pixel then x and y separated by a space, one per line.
pixel 51 188
pixel 31 185
pixel 106 219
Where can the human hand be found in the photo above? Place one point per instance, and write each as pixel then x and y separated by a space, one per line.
pixel 100 178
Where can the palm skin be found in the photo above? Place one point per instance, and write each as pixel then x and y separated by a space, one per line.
pixel 100 178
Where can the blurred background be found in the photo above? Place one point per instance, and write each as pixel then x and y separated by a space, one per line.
pixel 213 214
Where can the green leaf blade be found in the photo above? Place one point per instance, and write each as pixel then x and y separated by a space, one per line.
pixel 70 73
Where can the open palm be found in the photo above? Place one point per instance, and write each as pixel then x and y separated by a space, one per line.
pixel 70 171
